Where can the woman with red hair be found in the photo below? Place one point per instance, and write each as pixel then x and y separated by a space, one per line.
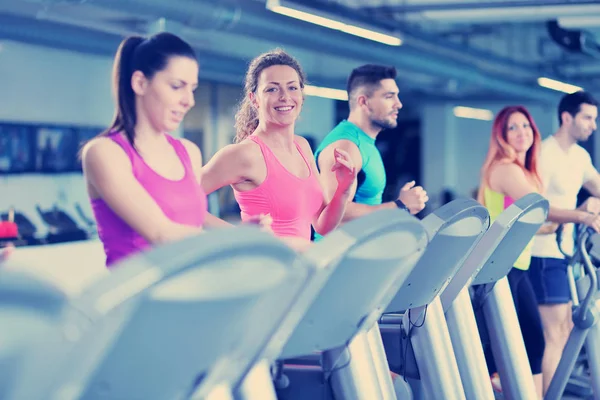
pixel 510 171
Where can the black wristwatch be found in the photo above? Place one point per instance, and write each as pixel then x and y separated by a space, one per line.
pixel 401 205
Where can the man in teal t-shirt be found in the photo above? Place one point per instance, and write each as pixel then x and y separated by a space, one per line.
pixel 374 105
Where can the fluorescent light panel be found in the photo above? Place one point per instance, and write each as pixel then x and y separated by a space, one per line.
pixel 579 22
pixel 493 13
pixel 473 113
pixel 277 7
pixel 558 85
pixel 328 93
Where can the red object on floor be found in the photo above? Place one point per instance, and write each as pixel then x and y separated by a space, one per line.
pixel 8 230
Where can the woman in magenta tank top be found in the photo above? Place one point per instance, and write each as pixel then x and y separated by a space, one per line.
pixel 144 185
pixel 271 170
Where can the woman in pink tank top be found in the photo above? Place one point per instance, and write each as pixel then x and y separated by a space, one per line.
pixel 144 185
pixel 271 170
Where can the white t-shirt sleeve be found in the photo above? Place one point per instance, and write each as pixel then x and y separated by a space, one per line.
pixel 589 172
pixel 545 166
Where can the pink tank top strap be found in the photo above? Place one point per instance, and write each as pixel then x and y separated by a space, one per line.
pixel 306 160
pixel 266 152
pixel 182 152
pixel 137 163
pixel 124 143
pixel 270 157
pixel 135 158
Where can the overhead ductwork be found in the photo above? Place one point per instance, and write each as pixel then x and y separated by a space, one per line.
pixel 574 41
pixel 213 66
pixel 253 20
pixel 425 55
pixel 46 33
pixel 50 34
pixel 483 11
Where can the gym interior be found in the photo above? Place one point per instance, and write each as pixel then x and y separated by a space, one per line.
pixel 393 304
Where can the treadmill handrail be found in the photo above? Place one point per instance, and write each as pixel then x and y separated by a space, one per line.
pixel 142 271
pixel 448 216
pixel 510 216
pixel 43 216
pixel 493 237
pixel 88 221
pixel 526 203
pixel 457 207
pixel 22 289
pixel 374 223
pixel 559 234
pixel 342 248
pixel 454 211
pixel 50 217
pixel 360 230
pixel 590 269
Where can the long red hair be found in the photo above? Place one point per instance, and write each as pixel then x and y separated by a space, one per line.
pixel 501 152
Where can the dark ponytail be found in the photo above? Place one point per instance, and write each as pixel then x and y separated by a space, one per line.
pixel 125 117
pixel 148 56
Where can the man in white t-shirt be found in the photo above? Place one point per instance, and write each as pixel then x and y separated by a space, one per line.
pixel 565 167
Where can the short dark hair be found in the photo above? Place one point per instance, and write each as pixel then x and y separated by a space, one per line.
pixel 571 103
pixel 369 76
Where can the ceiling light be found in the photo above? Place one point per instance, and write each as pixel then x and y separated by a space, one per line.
pixel 328 93
pixel 578 22
pixel 473 113
pixel 558 85
pixel 332 22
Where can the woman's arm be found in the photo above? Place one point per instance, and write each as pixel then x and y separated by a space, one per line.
pixel 211 221
pixel 228 166
pixel 332 211
pixel 107 170
pixel 509 179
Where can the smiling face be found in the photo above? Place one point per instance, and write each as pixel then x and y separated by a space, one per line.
pixel 166 98
pixel 519 133
pixel 278 97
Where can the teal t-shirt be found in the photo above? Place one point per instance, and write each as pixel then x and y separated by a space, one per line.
pixel 371 179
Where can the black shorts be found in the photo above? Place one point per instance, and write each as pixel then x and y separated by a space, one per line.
pixel 549 280
pixel 530 322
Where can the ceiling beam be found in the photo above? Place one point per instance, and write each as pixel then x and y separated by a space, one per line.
pixel 213 66
pixel 418 6
pixel 253 20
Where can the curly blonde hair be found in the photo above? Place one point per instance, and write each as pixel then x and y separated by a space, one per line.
pixel 246 118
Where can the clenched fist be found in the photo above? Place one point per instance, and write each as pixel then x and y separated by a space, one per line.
pixel 413 197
